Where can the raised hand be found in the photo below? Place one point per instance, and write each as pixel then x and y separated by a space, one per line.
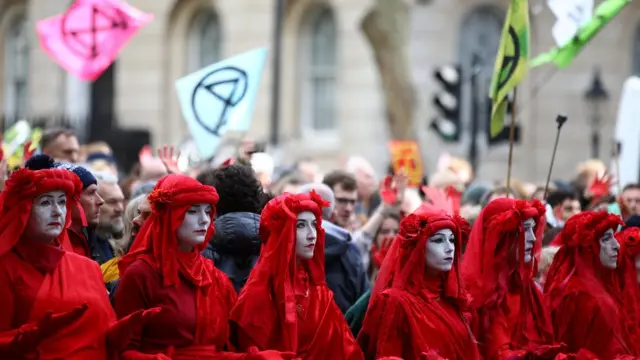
pixel 169 159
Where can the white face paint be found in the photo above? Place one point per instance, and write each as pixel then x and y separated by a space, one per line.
pixel 638 267
pixel 48 215
pixel 440 250
pixel 306 235
pixel 193 229
pixel 529 239
pixel 609 248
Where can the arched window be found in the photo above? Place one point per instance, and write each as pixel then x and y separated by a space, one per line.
pixel 636 52
pixel 16 69
pixel 203 40
pixel 319 69
pixel 480 36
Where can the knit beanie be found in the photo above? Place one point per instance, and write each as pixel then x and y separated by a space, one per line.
pixel 85 175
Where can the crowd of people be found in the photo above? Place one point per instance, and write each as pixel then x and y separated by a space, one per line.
pixel 249 260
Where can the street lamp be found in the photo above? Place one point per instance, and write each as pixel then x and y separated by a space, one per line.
pixel 596 97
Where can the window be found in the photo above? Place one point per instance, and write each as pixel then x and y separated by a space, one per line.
pixel 16 70
pixel 319 72
pixel 204 40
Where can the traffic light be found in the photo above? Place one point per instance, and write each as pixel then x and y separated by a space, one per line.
pixel 503 136
pixel 447 103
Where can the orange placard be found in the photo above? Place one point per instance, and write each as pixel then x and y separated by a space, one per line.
pixel 406 155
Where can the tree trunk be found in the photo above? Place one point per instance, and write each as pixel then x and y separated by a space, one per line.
pixel 386 26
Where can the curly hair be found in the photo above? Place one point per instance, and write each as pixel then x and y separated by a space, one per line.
pixel 237 186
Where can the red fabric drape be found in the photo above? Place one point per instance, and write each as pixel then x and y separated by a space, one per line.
pixel 629 239
pixel 512 318
pixel 411 312
pixel 307 323
pixel 63 294
pixel 585 298
pixel 157 245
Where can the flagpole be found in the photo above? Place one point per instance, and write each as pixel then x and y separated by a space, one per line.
pixel 512 135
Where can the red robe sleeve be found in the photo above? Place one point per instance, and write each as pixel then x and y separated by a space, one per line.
pixel 579 323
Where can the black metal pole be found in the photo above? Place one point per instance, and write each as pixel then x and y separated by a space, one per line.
pixel 475 114
pixel 275 86
pixel 595 138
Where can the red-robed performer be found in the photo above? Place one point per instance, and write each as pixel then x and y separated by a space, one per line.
pixel 286 304
pixel 585 290
pixel 53 304
pixel 629 275
pixel 498 269
pixel 418 305
pixel 164 269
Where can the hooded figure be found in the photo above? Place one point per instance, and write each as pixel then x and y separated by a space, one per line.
pixel 585 288
pixel 53 304
pixel 165 269
pixel 500 263
pixel 418 307
pixel 286 304
pixel 629 239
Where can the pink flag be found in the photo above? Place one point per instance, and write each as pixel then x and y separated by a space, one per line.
pixel 87 38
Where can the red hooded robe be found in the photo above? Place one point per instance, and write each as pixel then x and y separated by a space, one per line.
pixel 287 306
pixel 512 319
pixel 53 304
pixel 412 313
pixel 629 239
pixel 195 298
pixel 585 298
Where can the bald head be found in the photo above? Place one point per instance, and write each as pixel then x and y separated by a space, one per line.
pixel 325 193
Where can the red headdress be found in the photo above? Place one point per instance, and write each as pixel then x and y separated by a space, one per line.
pixel 276 266
pixel 172 196
pixel 577 268
pixel 16 200
pixel 491 267
pixel 404 267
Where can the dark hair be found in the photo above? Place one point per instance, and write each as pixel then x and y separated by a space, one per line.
pixel 557 197
pixel 631 187
pixel 345 179
pixel 50 135
pixel 550 234
pixel 237 186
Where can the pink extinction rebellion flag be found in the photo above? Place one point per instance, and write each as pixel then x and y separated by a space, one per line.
pixel 87 38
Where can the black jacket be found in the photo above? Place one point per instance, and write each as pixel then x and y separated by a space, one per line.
pixel 235 246
pixel 344 271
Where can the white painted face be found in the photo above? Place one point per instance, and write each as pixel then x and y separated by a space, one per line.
pixel 638 267
pixel 193 230
pixel 529 239
pixel 609 248
pixel 440 250
pixel 306 235
pixel 48 215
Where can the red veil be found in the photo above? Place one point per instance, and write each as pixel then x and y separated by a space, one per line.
pixel 577 284
pixel 266 314
pixel 629 239
pixel 493 276
pixel 157 244
pixel 404 271
pixel 22 187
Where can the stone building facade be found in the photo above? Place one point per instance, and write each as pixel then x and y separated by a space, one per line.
pixel 331 103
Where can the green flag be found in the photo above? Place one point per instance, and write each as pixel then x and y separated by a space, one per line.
pixel 512 61
pixel 563 56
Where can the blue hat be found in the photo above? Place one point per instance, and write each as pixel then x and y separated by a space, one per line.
pixel 85 175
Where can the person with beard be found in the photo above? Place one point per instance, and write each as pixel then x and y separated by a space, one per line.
pixel 236 244
pixel 110 222
pixel 84 218
pixel 110 272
